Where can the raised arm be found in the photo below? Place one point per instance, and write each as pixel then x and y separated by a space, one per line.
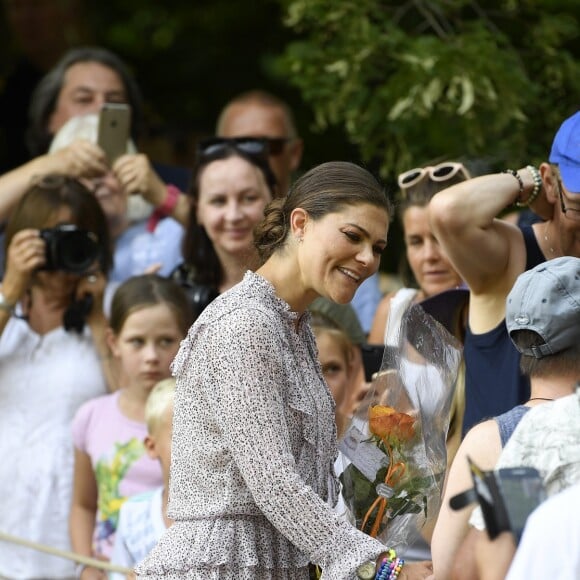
pixel 138 177
pixel 25 253
pixel 80 159
pixel 464 220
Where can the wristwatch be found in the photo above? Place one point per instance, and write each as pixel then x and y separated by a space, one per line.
pixel 6 304
pixel 366 571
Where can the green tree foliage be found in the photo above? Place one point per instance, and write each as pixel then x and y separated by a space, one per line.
pixel 426 79
pixel 190 58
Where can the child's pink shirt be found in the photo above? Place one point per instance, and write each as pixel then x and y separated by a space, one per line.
pixel 120 464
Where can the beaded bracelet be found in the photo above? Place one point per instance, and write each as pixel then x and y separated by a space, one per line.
pixel 537 179
pixel 519 201
pixel 396 568
pixel 384 571
pixel 366 571
pixel 390 570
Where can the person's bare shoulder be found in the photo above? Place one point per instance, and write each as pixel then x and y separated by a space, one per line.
pixel 482 444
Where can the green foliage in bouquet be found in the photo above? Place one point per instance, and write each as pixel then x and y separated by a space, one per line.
pixel 395 489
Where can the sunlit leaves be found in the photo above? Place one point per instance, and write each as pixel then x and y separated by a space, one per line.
pixel 417 80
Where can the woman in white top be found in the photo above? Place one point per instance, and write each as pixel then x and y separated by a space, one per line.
pixel 51 340
pixel 254 442
pixel 428 272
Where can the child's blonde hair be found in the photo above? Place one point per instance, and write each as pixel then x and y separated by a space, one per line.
pixel 160 399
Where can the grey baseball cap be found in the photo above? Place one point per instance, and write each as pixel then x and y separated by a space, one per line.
pixel 546 300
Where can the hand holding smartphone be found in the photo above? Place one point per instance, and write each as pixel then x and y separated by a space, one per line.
pixel 506 497
pixel 114 130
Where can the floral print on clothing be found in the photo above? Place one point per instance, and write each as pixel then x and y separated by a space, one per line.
pixel 109 473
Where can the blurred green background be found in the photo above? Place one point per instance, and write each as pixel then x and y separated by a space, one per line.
pixel 391 85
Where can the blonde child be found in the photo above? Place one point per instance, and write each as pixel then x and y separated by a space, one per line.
pixel 150 316
pixel 336 356
pixel 143 518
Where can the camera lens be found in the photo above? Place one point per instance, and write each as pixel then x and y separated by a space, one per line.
pixel 69 248
pixel 77 251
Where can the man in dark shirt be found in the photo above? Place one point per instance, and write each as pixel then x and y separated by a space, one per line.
pixel 490 253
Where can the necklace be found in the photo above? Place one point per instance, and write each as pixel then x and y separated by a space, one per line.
pixel 547 240
pixel 539 399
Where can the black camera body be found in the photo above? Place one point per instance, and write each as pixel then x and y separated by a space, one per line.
pixel 199 296
pixel 69 248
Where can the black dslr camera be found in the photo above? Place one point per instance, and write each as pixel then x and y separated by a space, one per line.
pixel 69 248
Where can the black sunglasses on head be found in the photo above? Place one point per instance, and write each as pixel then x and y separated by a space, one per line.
pixel 217 145
pixel 255 150
pixel 248 145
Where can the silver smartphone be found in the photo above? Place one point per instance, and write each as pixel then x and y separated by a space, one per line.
pixel 114 130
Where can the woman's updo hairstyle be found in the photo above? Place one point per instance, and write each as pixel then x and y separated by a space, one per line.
pixel 325 189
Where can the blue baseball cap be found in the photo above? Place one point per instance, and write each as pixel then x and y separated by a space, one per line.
pixel 566 152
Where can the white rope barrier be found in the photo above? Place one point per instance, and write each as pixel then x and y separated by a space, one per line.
pixel 92 562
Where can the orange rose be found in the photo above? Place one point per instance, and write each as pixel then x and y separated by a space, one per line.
pixel 386 423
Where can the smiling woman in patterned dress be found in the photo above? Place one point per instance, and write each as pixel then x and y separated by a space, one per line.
pixel 254 440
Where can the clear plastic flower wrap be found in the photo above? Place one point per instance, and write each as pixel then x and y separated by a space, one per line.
pixel 393 452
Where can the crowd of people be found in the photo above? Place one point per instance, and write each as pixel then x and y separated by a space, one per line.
pixel 179 356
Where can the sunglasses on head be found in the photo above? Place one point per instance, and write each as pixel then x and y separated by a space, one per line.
pixel 441 172
pixel 215 146
pixel 254 149
pixel 248 145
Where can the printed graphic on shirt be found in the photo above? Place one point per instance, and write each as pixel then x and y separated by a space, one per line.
pixel 109 472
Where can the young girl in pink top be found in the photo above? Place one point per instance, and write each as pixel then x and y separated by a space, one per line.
pixel 150 315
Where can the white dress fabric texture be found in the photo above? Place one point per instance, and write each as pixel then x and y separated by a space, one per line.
pixel 254 442
pixel 43 381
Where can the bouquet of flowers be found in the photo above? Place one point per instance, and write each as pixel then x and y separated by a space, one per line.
pixel 394 452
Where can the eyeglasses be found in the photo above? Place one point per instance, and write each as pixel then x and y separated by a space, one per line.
pixel 276 144
pixel 441 172
pixel 570 212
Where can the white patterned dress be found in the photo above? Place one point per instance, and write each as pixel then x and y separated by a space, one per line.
pixel 44 379
pixel 253 451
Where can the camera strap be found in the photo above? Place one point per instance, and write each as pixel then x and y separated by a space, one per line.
pixel 76 314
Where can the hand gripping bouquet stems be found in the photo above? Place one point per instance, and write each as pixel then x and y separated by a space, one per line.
pixel 394 449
